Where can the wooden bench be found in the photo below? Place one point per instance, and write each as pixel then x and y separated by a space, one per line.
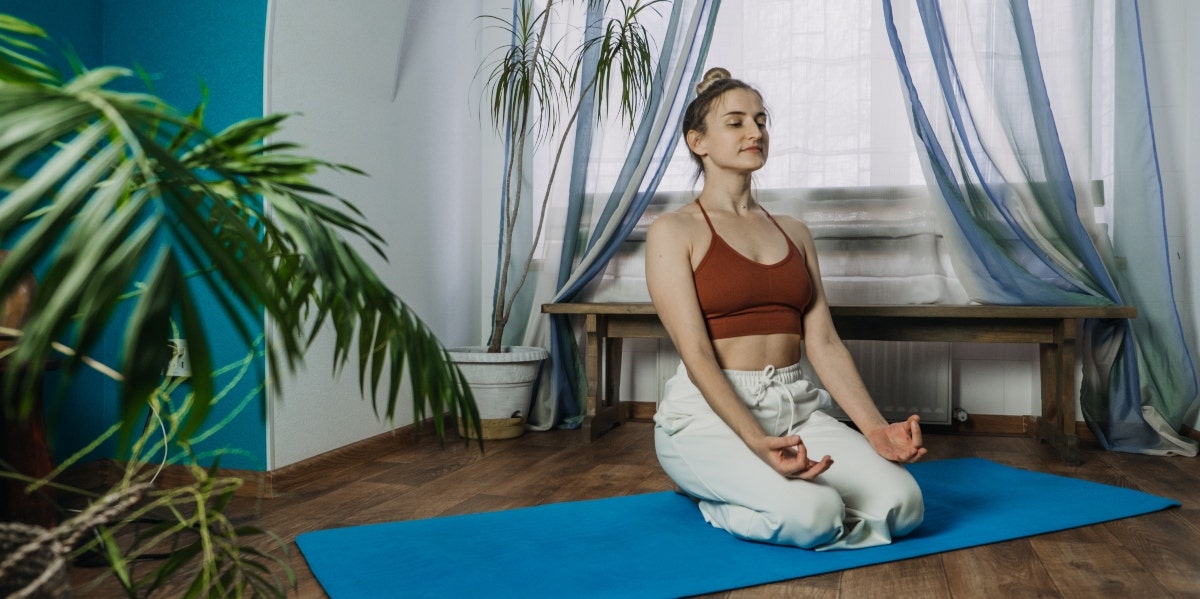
pixel 1053 328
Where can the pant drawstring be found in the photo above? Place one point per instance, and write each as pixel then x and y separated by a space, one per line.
pixel 760 388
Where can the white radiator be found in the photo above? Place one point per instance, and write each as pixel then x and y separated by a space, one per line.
pixel 904 378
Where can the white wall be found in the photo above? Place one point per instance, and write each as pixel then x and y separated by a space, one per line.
pixel 335 63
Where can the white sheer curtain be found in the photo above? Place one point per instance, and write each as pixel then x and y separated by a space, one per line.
pixel 1075 47
pixel 1032 103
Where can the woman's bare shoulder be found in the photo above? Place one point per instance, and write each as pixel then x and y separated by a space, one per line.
pixel 677 224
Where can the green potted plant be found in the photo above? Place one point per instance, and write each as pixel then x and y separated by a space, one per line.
pixel 535 91
pixel 117 199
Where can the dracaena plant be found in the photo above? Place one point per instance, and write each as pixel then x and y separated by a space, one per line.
pixel 537 86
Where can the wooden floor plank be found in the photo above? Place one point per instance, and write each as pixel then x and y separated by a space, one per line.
pixel 1091 562
pixel 1166 545
pixel 1009 569
pixel 824 586
pixel 918 577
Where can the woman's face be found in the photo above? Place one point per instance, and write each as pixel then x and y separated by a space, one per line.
pixel 736 138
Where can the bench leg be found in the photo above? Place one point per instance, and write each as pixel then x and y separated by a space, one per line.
pixel 1056 425
pixel 603 365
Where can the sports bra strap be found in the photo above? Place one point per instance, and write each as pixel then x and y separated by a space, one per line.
pixel 706 219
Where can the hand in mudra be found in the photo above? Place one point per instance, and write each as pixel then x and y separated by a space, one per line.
pixel 899 441
pixel 789 457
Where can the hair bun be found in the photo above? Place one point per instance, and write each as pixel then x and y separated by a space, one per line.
pixel 712 76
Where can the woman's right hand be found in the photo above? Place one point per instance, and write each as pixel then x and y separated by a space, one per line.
pixel 789 457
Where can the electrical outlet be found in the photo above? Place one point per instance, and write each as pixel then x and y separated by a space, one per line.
pixel 180 364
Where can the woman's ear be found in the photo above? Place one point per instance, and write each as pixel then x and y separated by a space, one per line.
pixel 695 142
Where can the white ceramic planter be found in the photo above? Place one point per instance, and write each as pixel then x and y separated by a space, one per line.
pixel 502 384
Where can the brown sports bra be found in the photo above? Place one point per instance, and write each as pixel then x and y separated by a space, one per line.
pixel 742 297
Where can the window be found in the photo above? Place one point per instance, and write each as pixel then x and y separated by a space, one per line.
pixel 829 80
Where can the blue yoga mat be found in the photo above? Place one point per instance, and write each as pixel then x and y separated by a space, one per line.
pixel 658 545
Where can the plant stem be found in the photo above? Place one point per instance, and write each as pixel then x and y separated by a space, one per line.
pixel 503 306
pixel 562 142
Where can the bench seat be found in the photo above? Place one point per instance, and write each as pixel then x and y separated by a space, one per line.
pixel 1053 328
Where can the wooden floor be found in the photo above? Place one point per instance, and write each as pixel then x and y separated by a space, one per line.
pixel 1156 555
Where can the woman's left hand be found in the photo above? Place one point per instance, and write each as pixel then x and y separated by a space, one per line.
pixel 899 441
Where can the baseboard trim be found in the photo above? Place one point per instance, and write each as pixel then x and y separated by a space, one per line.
pixel 639 411
pixel 269 484
pixel 283 480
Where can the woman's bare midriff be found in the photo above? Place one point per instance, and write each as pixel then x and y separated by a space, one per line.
pixel 755 352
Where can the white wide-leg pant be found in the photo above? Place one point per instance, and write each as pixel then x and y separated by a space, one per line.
pixel 863 500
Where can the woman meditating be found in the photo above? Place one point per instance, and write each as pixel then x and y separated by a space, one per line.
pixel 740 428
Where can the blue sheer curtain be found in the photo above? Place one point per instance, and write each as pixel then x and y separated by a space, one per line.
pixel 991 152
pixel 589 242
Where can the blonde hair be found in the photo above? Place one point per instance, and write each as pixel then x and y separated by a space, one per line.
pixel 712 76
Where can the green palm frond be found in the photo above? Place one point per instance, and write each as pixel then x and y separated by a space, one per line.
pixel 124 205
pixel 17 55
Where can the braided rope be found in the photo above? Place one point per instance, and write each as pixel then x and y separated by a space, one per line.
pixel 108 508
pixel 33 566
pixel 44 549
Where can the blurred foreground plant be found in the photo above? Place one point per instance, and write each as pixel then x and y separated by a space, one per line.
pixel 116 199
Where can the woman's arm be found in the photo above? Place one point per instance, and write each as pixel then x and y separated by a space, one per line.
pixel 899 442
pixel 673 291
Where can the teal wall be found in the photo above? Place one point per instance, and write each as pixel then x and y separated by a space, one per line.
pixel 182 44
